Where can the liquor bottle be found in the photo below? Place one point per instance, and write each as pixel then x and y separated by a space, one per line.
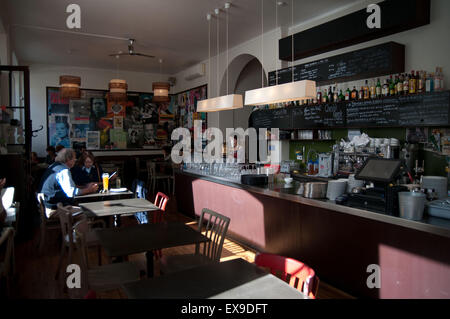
pixel 391 87
pixel 348 94
pixel 373 90
pixel 400 85
pixel 330 96
pixel 429 85
pixel 437 80
pixel 378 89
pixel 319 96
pixel 335 95
pixel 385 89
pixel 325 96
pixel 395 85
pixel 421 82
pixel 341 96
pixel 441 71
pixel 366 91
pixel 354 95
pixel 406 84
pixel 412 83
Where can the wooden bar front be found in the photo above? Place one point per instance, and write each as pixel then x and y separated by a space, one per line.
pixel 339 246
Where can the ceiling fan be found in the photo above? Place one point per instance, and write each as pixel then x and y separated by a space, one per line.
pixel 131 51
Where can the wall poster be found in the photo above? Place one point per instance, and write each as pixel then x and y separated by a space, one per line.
pixel 95 123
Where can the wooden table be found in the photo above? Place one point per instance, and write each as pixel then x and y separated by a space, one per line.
pixel 118 242
pixel 234 279
pixel 118 207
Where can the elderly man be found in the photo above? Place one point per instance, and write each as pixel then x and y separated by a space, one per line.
pixel 57 184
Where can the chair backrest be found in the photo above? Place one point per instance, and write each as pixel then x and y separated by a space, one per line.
pixel 161 200
pixel 8 238
pixel 294 272
pixel 40 199
pixel 216 227
pixel 80 230
pixel 66 221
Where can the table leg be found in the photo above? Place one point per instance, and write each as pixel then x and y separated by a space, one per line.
pixel 150 270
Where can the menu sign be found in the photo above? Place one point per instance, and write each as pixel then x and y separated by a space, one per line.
pixel 387 58
pixel 431 109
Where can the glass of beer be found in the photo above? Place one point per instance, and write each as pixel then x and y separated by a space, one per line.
pixel 105 178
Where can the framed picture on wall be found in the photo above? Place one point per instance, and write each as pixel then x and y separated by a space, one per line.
pixel 93 140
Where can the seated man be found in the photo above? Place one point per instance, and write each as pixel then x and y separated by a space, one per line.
pixel 57 184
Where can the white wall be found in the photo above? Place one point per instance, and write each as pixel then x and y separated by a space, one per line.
pixel 426 48
pixel 42 76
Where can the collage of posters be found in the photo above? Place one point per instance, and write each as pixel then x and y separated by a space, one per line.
pixel 94 122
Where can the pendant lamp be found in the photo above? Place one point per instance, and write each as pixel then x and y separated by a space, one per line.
pixel 70 86
pixel 225 102
pixel 117 90
pixel 282 93
pixel 160 89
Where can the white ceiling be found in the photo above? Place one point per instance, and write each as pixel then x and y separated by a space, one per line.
pixel 174 30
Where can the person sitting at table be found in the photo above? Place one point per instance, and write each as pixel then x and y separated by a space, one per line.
pixel 57 184
pixel 86 170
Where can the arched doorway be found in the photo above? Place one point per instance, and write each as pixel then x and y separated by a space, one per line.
pixel 244 73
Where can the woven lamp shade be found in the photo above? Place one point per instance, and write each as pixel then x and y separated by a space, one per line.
pixel 69 86
pixel 117 90
pixel 161 91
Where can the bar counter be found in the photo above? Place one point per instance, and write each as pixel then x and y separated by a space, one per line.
pixel 339 242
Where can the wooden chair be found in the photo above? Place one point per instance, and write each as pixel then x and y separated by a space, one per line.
pixel 66 215
pixel 154 176
pixel 294 272
pixel 46 223
pixel 157 216
pixel 7 265
pixel 105 277
pixel 215 229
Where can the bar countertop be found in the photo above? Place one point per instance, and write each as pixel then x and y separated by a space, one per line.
pixel 429 224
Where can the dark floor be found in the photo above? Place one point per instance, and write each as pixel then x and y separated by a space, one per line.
pixel 35 274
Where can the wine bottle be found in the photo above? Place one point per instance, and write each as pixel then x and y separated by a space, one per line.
pixel 379 89
pixel 391 87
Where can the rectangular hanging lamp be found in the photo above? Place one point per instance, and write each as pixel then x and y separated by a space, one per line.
pixel 282 93
pixel 221 103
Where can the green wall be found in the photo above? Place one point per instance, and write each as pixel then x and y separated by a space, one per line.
pixel 435 163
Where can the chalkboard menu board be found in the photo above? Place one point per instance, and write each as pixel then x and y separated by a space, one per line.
pixel 318 116
pixel 372 113
pixel 430 109
pixel 383 59
pixel 275 118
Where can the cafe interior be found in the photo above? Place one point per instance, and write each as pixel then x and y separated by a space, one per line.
pixel 224 149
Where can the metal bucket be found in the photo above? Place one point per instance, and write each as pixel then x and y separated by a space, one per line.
pixel 411 205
